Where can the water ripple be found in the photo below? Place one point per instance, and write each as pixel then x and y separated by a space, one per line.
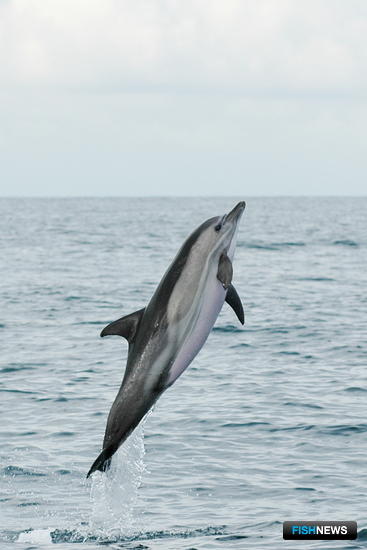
pixel 266 413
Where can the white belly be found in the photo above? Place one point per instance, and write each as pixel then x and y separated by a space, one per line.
pixel 202 318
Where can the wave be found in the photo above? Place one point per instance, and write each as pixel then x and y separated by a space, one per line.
pixel 243 424
pixel 57 536
pixel 227 328
pixel 362 534
pixel 272 245
pixel 90 323
pixel 345 242
pixel 232 537
pixel 306 405
pixel 300 427
pixel 12 367
pixel 342 429
pixel 241 345
pixel 289 244
pixel 315 279
pixel 16 391
pixel 285 352
pixel 18 471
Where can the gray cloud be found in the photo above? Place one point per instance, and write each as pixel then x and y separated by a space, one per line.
pixel 264 45
pixel 194 97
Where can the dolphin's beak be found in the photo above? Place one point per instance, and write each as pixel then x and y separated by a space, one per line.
pixel 237 212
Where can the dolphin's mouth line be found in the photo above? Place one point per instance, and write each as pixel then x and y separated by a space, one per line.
pixel 236 212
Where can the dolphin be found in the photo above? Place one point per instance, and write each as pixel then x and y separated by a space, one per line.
pixel 166 335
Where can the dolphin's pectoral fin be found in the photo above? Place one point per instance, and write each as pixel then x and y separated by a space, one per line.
pixel 225 270
pixel 125 327
pixel 234 301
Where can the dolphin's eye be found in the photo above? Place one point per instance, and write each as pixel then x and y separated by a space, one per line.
pixel 218 227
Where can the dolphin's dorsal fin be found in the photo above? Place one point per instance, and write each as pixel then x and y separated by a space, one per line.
pixel 225 270
pixel 125 326
pixel 234 301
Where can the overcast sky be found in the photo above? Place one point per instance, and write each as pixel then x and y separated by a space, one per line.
pixel 190 97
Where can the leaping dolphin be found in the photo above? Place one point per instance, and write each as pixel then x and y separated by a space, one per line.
pixel 165 336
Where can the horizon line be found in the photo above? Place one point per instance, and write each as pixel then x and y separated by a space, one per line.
pixel 181 196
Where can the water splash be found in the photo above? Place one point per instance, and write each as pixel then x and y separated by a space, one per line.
pixel 40 537
pixel 114 494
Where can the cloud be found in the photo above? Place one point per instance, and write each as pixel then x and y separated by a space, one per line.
pixel 260 47
pixel 182 97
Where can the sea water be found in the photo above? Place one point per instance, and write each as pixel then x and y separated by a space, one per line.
pixel 268 423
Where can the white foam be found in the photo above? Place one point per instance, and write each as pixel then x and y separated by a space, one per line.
pixel 38 536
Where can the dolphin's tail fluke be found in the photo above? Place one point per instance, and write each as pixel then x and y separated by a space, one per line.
pixel 103 461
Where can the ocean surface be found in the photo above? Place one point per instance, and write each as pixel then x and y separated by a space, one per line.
pixel 267 424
